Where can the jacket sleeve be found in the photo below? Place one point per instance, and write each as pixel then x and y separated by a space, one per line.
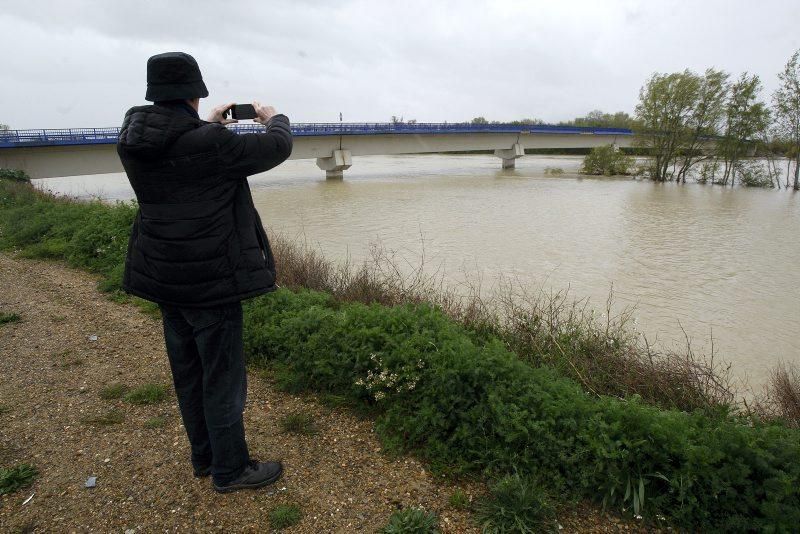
pixel 252 153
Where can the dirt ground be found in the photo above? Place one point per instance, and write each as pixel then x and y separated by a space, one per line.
pixel 52 370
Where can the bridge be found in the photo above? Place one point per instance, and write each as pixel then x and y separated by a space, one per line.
pixel 82 151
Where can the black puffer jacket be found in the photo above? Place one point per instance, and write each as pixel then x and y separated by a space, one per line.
pixel 197 240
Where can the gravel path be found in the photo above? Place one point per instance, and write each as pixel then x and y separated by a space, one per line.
pixel 52 371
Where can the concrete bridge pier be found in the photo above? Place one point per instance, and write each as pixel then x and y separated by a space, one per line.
pixel 335 165
pixel 509 155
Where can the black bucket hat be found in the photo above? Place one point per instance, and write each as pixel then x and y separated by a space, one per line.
pixel 174 76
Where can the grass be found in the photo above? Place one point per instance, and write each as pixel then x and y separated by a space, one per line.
pixel 412 521
pixel 4 409
pixel 7 318
pixel 146 394
pixel 155 422
pixel 284 516
pixel 459 499
pixel 112 417
pixel 113 391
pixel 15 478
pixel 518 505
pixel 298 423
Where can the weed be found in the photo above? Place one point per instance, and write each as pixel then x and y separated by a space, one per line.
pixel 459 499
pixel 15 478
pixel 4 409
pixel 146 394
pixel 553 171
pixel 298 423
pixel 112 417
pixel 155 422
pixel 113 391
pixel 6 318
pixel 412 521
pixel 516 504
pixel 284 516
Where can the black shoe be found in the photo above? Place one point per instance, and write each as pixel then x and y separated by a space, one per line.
pixel 202 473
pixel 255 475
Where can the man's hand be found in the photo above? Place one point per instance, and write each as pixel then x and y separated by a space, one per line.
pixel 217 114
pixel 265 113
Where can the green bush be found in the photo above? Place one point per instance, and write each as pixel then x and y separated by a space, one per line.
pixel 606 160
pixel 412 521
pixel 470 405
pixel 284 516
pixel 14 175
pixel 519 505
pixel 15 478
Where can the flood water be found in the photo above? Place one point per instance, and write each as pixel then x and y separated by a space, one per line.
pixel 705 259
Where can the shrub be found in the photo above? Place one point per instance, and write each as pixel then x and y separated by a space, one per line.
pixel 517 505
pixel 468 404
pixel 14 175
pixel 284 516
pixel 146 394
pixel 17 477
pixel 608 161
pixel 412 521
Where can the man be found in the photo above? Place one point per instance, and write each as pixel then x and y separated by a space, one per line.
pixel 198 248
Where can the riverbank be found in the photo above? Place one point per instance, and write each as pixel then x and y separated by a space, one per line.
pixel 445 387
pixel 55 418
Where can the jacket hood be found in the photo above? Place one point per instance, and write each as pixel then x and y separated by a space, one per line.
pixel 149 131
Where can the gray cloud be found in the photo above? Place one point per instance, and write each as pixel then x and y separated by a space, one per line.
pixel 82 63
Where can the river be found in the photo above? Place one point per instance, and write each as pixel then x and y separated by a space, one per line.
pixel 700 258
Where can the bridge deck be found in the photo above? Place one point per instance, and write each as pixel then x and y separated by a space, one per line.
pixel 104 136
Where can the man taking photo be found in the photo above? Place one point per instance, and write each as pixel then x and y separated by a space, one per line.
pixel 198 248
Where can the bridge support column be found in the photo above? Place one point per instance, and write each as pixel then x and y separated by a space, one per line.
pixel 509 155
pixel 334 166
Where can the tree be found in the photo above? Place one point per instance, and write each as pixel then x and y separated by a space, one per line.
pixel 704 119
pixel 786 109
pixel 599 119
pixel 3 127
pixel 480 120
pixel 666 105
pixel 745 118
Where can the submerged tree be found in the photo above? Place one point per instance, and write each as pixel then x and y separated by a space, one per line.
pixel 666 104
pixel 786 108
pixel 745 118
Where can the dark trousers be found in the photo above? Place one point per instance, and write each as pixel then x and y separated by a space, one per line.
pixel 207 360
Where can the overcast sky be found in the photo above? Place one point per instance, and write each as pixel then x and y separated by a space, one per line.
pixel 82 63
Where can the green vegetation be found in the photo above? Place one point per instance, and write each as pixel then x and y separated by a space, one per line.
pixel 459 499
pixel 6 318
pixel 147 394
pixel 155 422
pixel 284 516
pixel 14 175
pixel 4 409
pixel 298 423
pixel 553 171
pixel 112 417
pixel 543 393
pixel 113 391
pixel 608 161
pixel 18 477
pixel 517 504
pixel 412 521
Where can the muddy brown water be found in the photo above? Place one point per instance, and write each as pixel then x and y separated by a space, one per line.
pixel 706 260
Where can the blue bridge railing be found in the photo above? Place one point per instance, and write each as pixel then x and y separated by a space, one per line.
pixel 99 136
